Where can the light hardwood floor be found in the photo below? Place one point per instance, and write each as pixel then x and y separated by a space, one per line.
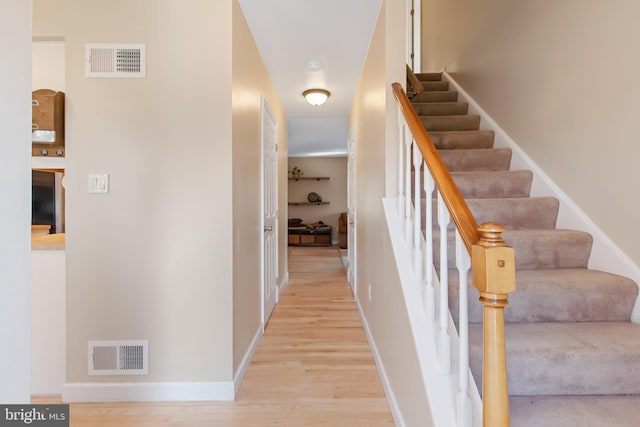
pixel 312 368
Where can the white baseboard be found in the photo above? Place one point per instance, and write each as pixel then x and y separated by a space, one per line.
pixel 605 254
pixel 384 378
pixel 246 360
pixel 148 392
pixel 284 283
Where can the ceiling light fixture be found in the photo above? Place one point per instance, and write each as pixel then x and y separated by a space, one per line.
pixel 316 96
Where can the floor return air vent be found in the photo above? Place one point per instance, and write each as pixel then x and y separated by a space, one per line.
pixel 119 357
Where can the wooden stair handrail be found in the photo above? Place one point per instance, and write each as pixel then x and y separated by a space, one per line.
pixel 415 83
pixel 460 212
pixel 492 264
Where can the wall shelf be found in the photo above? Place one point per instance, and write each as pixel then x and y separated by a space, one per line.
pixel 314 178
pixel 307 203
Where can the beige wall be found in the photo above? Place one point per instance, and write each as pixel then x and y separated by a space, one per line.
pixel 250 82
pixel 333 190
pixel 15 190
pixel 561 79
pixel 153 258
pixel 374 131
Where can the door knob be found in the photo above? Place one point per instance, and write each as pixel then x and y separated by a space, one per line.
pixel 268 228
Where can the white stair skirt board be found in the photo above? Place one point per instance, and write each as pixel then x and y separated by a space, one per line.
pixel 148 392
pixel 388 390
pixel 605 254
pixel 246 360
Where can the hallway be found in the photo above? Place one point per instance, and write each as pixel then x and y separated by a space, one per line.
pixel 313 366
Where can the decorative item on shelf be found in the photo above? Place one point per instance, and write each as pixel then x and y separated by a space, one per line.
pixel 296 173
pixel 314 197
pixel 47 127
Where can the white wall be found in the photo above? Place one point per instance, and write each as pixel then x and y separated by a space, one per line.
pixel 153 258
pixel 333 190
pixel 15 192
pixel 385 311
pixel 48 65
pixel 561 79
pixel 251 82
pixel 48 267
pixel 47 324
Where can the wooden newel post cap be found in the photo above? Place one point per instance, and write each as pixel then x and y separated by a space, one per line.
pixel 493 263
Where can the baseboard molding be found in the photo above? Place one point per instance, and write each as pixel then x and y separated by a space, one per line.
pixel 148 392
pixel 246 360
pixel 384 378
pixel 283 284
pixel 605 254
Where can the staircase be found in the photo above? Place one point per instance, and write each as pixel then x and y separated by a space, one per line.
pixel 573 357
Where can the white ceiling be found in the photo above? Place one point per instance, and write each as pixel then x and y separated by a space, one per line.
pixel 335 33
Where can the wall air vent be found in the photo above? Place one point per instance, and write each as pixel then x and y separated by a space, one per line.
pixel 115 60
pixel 119 357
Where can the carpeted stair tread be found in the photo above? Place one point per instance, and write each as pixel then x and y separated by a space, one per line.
pixel 572 354
pixel 558 295
pixel 437 85
pixel 575 411
pixel 571 295
pixel 549 248
pixel 436 96
pixel 534 249
pixel 451 123
pixel 429 77
pixel 520 213
pixel 566 358
pixel 462 139
pixel 489 184
pixel 484 159
pixel 441 108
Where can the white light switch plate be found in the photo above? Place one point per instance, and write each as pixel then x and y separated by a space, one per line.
pixel 99 183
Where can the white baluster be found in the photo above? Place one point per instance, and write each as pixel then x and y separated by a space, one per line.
pixel 429 294
pixel 408 140
pixel 402 128
pixel 417 217
pixel 444 338
pixel 463 263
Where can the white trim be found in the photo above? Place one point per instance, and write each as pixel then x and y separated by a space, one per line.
pixel 148 392
pixel 440 389
pixel 384 378
pixel 417 34
pixel 605 254
pixel 47 162
pixel 246 360
pixel 265 109
pixel 283 284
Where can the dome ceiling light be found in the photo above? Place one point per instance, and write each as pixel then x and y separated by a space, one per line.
pixel 316 96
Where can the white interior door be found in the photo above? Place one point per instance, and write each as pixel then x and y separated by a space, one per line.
pixel 270 212
pixel 351 213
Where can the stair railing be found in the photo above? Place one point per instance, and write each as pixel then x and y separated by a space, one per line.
pixel 480 248
pixel 414 85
